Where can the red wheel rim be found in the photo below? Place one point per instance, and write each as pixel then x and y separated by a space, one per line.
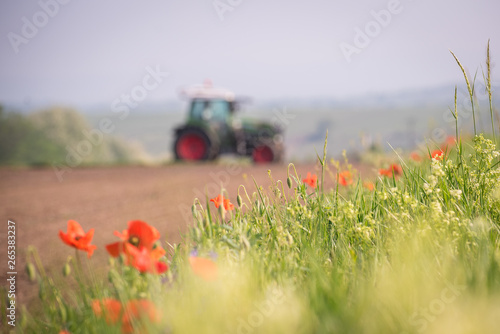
pixel 263 154
pixel 191 147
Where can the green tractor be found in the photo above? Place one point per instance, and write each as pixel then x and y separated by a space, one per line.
pixel 212 128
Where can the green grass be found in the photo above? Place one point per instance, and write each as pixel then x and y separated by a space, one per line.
pixel 419 254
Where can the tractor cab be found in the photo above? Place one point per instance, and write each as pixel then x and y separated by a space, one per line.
pixel 211 110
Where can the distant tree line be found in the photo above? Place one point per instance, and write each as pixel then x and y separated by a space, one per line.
pixel 49 137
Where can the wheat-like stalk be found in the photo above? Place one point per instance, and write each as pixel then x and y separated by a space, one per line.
pixel 471 94
pixel 488 88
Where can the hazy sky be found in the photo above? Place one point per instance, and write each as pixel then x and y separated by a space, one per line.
pixel 93 51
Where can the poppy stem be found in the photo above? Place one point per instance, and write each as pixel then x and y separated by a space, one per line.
pixel 246 193
pixel 78 265
pixel 323 162
pixel 295 170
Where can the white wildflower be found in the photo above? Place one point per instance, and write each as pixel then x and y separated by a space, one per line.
pixel 456 193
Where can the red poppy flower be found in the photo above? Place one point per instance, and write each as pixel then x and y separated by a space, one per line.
pixel 109 308
pixel 144 260
pixel 415 156
pixel 204 268
pixel 384 172
pixel 136 311
pixel 139 234
pixel 345 178
pixel 138 244
pixel 76 237
pixel 393 169
pixel 437 154
pixel 311 180
pixel 450 141
pixel 220 200
pixel 369 185
pixel 396 169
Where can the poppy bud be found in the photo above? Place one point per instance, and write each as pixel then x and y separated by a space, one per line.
pixel 289 182
pixel 110 277
pixel 239 200
pixel 42 292
pixel 31 271
pixel 66 270
pixel 23 319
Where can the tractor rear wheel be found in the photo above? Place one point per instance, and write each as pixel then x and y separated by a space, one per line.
pixel 192 145
pixel 263 154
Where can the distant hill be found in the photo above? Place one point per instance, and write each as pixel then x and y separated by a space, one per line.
pixel 433 96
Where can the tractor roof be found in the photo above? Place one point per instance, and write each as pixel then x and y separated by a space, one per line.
pixel 207 91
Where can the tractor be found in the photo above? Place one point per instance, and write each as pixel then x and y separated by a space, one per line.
pixel 213 128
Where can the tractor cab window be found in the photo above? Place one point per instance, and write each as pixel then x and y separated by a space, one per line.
pixel 198 109
pixel 220 110
pixel 213 110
